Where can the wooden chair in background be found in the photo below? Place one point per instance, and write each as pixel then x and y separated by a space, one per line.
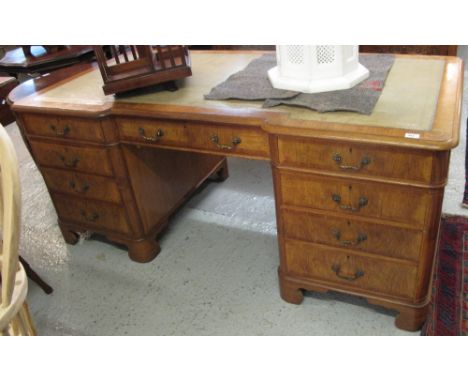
pixel 15 318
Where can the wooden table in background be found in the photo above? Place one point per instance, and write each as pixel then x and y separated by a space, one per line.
pixel 41 60
pixel 358 198
pixel 6 85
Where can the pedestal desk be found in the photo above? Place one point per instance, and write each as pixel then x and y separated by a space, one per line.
pixel 358 198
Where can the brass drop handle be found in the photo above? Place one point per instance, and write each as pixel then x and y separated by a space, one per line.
pixel 60 133
pixel 235 141
pixel 362 202
pixel 83 190
pixel 159 134
pixel 339 159
pixel 72 163
pixel 359 239
pixel 89 217
pixel 337 269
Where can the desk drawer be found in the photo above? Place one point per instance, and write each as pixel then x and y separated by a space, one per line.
pixel 92 214
pixel 82 185
pixel 160 132
pixel 350 271
pixel 225 139
pixel 64 127
pixel 356 198
pixel 85 159
pixel 356 160
pixel 352 234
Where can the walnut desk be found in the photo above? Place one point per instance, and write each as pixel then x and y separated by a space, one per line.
pixel 358 198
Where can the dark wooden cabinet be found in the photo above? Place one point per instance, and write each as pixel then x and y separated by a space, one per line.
pixel 439 50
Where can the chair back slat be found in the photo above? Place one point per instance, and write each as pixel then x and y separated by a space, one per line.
pixel 11 202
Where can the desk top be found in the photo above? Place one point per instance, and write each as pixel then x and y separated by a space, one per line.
pixel 419 106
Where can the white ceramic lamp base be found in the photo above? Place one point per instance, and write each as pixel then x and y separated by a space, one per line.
pixel 346 81
pixel 317 68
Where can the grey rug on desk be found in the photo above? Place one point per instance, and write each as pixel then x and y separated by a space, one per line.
pixel 252 83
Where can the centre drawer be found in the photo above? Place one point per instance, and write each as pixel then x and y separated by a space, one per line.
pixel 93 160
pixel 409 205
pixel 219 138
pixel 359 235
pixel 229 139
pixel 351 271
pixel 91 213
pixel 357 160
pixel 160 132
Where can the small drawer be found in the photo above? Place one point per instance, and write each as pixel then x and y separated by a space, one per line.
pixel 91 213
pixel 163 133
pixel 229 139
pixel 83 185
pixel 66 128
pixel 352 234
pixel 356 160
pixel 85 159
pixel 339 267
pixel 356 198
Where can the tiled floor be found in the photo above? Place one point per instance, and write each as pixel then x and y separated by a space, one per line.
pixel 216 273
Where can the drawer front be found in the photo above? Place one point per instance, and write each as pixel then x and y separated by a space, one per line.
pixel 66 128
pixel 83 185
pixel 91 213
pixel 163 133
pixel 353 197
pixel 235 140
pixel 356 160
pixel 341 268
pixel 86 159
pixel 353 234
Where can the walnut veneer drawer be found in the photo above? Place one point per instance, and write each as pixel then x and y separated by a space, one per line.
pixel 164 133
pixel 359 160
pixel 79 184
pixel 349 270
pixel 408 205
pixel 63 127
pixel 91 213
pixel 353 234
pixel 225 139
pixel 92 160
pixel 229 139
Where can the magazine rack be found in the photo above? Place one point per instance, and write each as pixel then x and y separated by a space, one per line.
pixel 135 66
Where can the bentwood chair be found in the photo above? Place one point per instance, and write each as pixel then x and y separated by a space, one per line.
pixel 15 318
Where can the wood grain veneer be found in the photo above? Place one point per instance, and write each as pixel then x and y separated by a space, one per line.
pixel 380 176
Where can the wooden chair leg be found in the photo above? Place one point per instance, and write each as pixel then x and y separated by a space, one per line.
pixel 35 277
pixel 28 323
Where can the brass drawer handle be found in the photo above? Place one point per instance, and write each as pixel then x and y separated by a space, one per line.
pixel 362 202
pixel 60 133
pixel 337 269
pixel 235 141
pixel 83 190
pixel 159 134
pixel 339 159
pixel 71 163
pixel 359 239
pixel 93 217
